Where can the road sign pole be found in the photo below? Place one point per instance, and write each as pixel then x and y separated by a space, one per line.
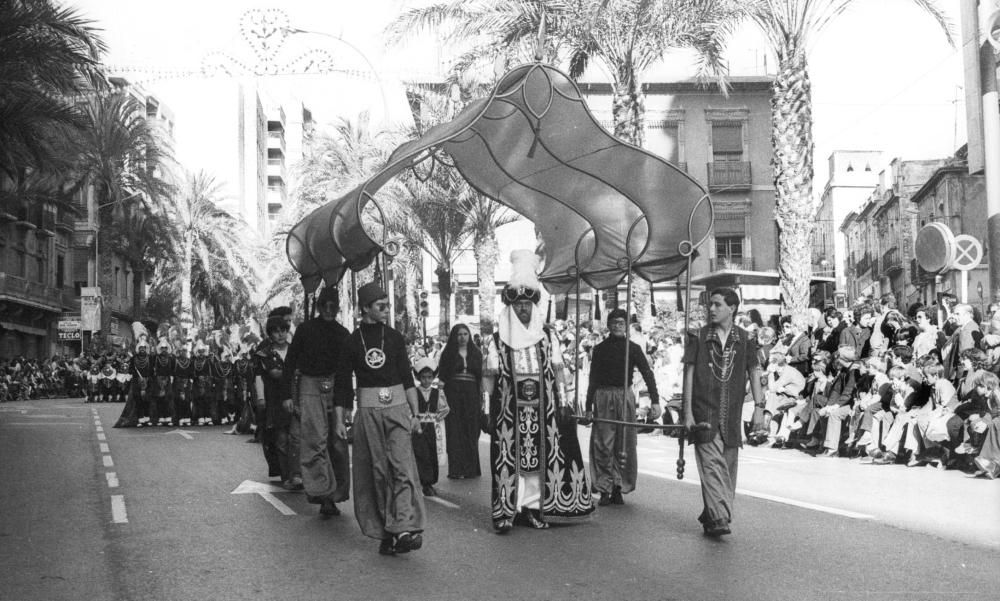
pixel 965 287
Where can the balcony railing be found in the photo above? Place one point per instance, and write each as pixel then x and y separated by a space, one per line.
pixel 731 175
pixel 732 264
pixel 892 261
pixel 22 289
pixel 863 265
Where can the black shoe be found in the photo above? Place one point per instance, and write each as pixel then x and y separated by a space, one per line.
pixel 386 547
pixel 616 496
pixel 605 499
pixel 429 491
pixel 717 528
pixel 408 541
pixel 329 508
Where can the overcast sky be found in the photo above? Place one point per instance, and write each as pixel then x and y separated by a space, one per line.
pixel 883 76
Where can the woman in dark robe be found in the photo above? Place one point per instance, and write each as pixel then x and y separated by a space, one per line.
pixel 460 369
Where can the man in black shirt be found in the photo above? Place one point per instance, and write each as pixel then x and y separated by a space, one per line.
pixel 319 398
pixel 388 503
pixel 613 462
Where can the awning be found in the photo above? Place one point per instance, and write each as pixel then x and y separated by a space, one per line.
pixel 24 329
pixel 760 292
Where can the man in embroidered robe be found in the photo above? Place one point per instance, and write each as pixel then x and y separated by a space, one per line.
pixel 535 458
pixel 718 360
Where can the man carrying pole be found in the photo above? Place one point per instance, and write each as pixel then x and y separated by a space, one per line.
pixel 613 463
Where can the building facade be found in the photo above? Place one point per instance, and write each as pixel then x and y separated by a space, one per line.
pixel 880 234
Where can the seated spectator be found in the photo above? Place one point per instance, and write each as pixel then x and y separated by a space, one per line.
pixel 840 402
pixel 872 417
pixel 784 384
pixel 816 393
pixel 988 460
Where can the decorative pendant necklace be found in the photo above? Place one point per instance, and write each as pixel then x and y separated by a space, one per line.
pixel 183 363
pixel 721 364
pixel 374 357
pixel 141 362
pixel 226 369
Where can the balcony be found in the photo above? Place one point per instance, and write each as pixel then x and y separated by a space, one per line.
pixel 892 262
pixel 731 264
pixel 729 176
pixel 276 140
pixel 46 225
pixel 863 266
pixel 26 291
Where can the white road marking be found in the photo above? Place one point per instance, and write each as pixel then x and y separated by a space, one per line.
pixel 108 462
pixel 43 424
pixel 118 513
pixel 185 433
pixel 759 495
pixel 841 512
pixel 441 501
pixel 101 436
pixel 104 448
pixel 250 487
pixel 112 479
pixel 100 428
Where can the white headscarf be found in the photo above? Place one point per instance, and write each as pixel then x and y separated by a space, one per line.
pixel 515 334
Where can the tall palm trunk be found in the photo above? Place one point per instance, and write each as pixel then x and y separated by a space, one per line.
pixel 444 293
pixel 487 251
pixel 187 308
pixel 138 281
pixel 791 120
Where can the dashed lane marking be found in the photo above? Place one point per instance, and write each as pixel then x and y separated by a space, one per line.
pixel 108 462
pixel 118 513
pixel 104 448
pixel 112 479
pixel 101 436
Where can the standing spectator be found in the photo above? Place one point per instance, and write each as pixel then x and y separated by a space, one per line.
pixel 799 352
pixel 718 362
pixel 461 371
pixel 967 336
pixel 320 398
pixel 929 338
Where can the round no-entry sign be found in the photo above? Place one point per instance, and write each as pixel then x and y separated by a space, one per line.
pixel 968 252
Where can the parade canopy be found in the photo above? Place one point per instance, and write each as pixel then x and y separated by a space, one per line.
pixel 603 208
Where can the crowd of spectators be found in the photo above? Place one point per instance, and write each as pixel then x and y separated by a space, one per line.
pixel 24 379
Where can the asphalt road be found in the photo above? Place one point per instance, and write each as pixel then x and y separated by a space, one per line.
pixel 168 526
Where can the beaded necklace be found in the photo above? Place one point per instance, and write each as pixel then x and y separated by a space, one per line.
pixel 721 364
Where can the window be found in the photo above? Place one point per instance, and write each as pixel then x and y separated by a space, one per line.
pixel 60 271
pixel 665 141
pixel 465 301
pixel 727 142
pixel 729 248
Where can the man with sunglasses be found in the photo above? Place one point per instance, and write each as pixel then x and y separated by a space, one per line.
pixel 320 396
pixel 388 501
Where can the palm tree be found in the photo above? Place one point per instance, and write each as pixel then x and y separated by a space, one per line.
pixel 790 26
pixel 48 54
pixel 121 156
pixel 143 239
pixel 427 219
pixel 210 254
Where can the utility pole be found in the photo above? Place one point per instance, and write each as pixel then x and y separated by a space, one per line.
pixel 981 41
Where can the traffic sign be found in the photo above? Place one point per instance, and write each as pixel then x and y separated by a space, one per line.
pixel 935 247
pixel 968 253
